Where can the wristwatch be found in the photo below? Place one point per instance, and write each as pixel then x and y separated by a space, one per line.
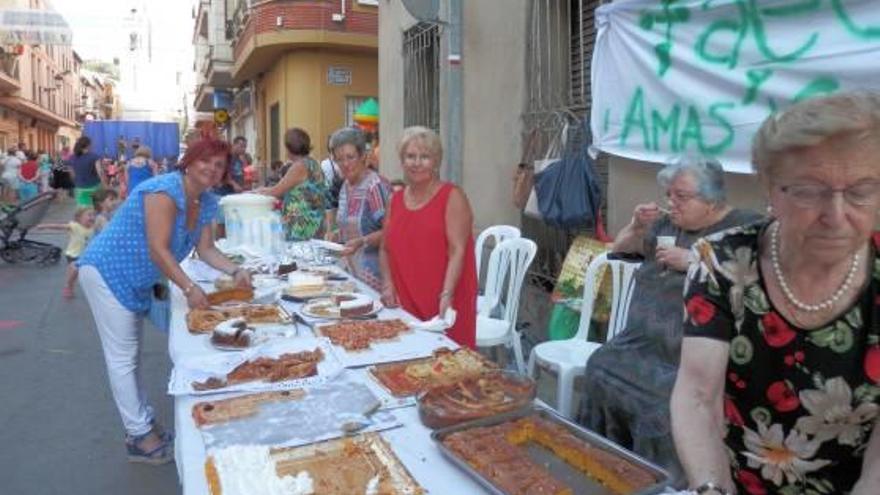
pixel 711 487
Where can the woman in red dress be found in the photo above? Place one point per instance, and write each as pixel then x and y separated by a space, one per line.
pixel 427 255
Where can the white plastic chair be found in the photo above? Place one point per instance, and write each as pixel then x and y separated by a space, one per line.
pixel 497 233
pixel 568 358
pixel 508 262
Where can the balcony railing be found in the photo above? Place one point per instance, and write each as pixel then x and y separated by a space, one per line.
pixel 240 17
pixel 9 65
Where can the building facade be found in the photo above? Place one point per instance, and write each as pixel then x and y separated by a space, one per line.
pixel 38 94
pixel 414 62
pixel 278 64
pixel 525 68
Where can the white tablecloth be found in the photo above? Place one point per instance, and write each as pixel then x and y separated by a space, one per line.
pixel 411 442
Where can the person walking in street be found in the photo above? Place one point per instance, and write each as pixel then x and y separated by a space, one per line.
pixel 28 178
pixel 427 258
pixel 157 227
pixel 139 169
pixel 81 230
pixel 302 189
pixel 363 198
pixel 87 173
pixel 44 161
pixel 106 201
pixel 11 166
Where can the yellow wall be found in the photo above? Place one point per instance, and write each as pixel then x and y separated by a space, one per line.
pixel 298 81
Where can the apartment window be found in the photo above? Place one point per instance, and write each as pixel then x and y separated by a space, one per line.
pixel 560 46
pixel 421 66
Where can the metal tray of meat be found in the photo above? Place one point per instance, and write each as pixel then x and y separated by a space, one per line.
pixel 580 482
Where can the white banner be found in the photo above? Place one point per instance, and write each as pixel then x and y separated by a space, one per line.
pixel 699 76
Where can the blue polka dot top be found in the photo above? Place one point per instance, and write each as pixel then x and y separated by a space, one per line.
pixel 120 251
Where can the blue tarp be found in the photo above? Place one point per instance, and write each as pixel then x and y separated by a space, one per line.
pixel 163 138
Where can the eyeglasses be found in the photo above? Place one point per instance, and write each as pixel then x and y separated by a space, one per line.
pixel 813 195
pixel 681 196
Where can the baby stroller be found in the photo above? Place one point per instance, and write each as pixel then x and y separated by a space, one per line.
pixel 14 225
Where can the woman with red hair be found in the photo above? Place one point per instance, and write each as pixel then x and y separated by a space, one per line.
pixel 158 226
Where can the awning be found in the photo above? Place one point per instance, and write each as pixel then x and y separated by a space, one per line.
pixel 20 25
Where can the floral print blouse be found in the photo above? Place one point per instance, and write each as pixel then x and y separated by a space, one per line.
pixel 302 211
pixel 799 404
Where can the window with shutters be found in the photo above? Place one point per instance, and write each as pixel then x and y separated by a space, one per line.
pixel 421 65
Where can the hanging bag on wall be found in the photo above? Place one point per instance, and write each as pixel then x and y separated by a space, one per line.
pixel 553 155
pixel 568 190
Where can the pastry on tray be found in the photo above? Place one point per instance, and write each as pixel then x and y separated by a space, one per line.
pixel 444 367
pixel 205 320
pixel 289 366
pixel 225 410
pixel 358 465
pixel 233 333
pixel 357 335
pixel 352 307
pixel 499 453
pixel 475 397
pixel 285 268
pixel 233 294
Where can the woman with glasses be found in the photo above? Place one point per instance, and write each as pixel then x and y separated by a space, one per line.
pixel 779 385
pixel 629 379
pixel 427 255
pixel 363 197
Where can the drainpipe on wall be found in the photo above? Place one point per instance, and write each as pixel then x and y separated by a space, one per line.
pixel 341 15
pixel 453 145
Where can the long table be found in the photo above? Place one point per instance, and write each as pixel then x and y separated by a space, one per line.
pixel 411 442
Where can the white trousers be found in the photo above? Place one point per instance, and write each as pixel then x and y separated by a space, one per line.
pixel 121 331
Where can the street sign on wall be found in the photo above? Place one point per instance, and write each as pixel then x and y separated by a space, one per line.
pixel 338 76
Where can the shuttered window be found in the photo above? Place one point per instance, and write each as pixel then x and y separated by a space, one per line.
pixel 421 65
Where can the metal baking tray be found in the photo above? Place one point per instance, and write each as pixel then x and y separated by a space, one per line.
pixel 579 482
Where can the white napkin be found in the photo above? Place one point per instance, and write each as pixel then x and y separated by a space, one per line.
pixel 435 324
pixel 199 270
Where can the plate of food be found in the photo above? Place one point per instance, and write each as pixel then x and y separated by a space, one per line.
pixel 360 464
pixel 475 397
pixel 200 321
pixel 233 335
pixel 445 366
pixel 342 306
pixel 357 335
pixel 230 294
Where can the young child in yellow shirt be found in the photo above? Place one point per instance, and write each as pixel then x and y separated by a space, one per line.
pixel 81 230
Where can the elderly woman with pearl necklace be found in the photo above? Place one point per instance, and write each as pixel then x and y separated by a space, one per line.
pixel 779 385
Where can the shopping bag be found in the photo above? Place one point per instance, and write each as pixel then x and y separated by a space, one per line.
pixel 568 190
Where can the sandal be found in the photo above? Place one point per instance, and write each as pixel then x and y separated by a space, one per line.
pixel 163 453
pixel 160 430
pixel 67 292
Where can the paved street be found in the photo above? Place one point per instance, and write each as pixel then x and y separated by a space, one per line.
pixel 60 430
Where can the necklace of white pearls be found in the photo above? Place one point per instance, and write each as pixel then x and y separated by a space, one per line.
pixel 777 270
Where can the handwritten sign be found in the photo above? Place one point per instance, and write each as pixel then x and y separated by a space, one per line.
pixel 699 76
